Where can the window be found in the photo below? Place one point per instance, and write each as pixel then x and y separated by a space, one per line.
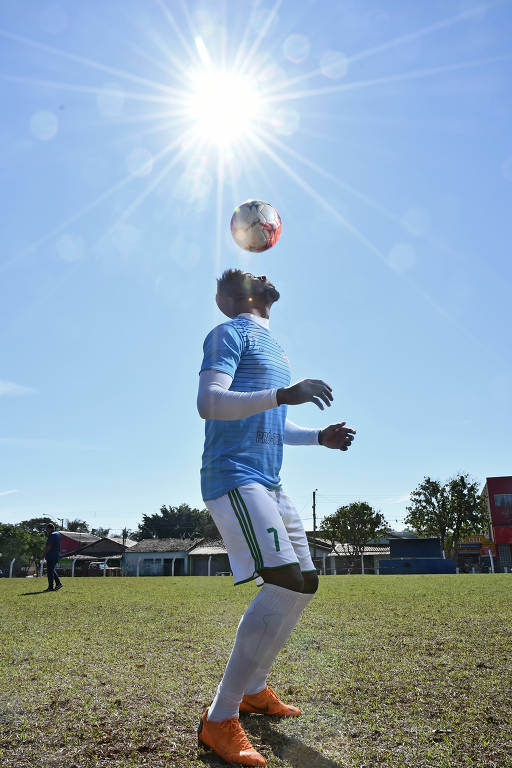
pixel 503 509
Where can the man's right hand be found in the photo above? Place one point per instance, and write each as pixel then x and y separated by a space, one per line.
pixel 306 391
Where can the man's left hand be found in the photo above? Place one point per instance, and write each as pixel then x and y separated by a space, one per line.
pixel 337 436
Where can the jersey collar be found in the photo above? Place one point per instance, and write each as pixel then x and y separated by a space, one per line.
pixel 263 321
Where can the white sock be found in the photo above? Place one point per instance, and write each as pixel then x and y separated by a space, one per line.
pixel 254 644
pixel 258 680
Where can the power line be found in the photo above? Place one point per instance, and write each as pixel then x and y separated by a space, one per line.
pixel 334 497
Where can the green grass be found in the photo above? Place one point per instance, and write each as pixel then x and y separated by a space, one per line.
pixel 398 671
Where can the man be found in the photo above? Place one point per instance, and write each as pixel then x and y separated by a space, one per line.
pixel 52 555
pixel 244 388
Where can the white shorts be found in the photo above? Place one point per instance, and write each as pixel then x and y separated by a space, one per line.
pixel 261 529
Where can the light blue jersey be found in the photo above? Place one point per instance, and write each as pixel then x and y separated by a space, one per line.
pixel 244 450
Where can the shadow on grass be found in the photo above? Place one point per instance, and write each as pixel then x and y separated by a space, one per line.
pixel 24 594
pixel 284 747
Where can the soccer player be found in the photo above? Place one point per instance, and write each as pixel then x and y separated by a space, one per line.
pixel 244 391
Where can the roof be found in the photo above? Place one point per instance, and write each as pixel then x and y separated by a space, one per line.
pixel 164 545
pixel 317 541
pixel 119 540
pixel 107 543
pixel 91 558
pixel 215 547
pixel 383 541
pixel 415 538
pixel 344 550
pixel 80 538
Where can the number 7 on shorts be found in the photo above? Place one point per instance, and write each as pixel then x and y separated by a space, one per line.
pixel 276 538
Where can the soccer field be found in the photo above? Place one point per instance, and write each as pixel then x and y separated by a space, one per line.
pixel 408 672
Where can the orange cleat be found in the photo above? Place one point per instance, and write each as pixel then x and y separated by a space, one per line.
pixel 267 702
pixel 228 739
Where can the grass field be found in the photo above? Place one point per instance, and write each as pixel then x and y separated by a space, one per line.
pixel 401 671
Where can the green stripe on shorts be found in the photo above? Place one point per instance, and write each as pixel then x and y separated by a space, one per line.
pixel 248 517
pixel 244 526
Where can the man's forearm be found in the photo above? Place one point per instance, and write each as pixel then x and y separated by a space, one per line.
pixel 295 435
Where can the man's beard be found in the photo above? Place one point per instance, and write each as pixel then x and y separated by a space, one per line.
pixel 271 294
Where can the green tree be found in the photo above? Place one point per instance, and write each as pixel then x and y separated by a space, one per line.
pixel 77 526
pixel 16 541
pixel 36 524
pixel 101 532
pixel 177 522
pixel 353 526
pixel 451 510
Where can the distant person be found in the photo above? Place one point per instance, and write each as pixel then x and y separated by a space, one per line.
pixel 52 555
pixel 244 389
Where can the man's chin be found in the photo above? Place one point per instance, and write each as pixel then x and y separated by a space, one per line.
pixel 272 294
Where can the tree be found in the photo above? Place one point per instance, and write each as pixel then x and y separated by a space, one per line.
pixel 36 524
pixel 101 532
pixel 16 541
pixel 175 523
pixel 353 526
pixel 77 526
pixel 450 511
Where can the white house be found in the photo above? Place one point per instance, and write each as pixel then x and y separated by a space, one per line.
pixel 209 558
pixel 199 557
pixel 158 557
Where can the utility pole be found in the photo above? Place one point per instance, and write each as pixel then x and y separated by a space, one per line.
pixel 314 522
pixel 62 522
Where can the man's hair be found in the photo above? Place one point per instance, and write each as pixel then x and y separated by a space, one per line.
pixel 50 525
pixel 234 282
pixel 241 285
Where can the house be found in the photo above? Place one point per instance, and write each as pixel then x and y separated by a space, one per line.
pixel 201 557
pixel 93 558
pixel 345 562
pixel 158 557
pixel 90 565
pixel 416 555
pixel 319 549
pixel 209 558
pixel 107 546
pixel 71 542
pixel 472 554
pixel 340 559
pixel 497 494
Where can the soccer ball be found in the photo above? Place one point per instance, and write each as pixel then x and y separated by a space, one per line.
pixel 255 226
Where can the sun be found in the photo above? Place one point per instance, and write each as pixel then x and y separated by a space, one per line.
pixel 223 106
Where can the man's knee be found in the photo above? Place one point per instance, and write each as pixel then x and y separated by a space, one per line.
pixel 288 577
pixel 310 582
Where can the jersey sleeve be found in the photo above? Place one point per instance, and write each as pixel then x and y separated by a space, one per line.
pixel 222 350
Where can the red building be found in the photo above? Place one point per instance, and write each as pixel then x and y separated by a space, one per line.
pixel 498 491
pixel 71 542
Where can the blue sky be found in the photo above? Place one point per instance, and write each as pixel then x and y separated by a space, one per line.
pixel 385 143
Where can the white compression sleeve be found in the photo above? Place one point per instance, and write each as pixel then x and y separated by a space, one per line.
pixel 216 401
pixel 295 435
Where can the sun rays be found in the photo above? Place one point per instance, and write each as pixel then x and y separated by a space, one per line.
pixel 207 104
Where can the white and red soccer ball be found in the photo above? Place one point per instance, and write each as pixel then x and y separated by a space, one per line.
pixel 256 226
